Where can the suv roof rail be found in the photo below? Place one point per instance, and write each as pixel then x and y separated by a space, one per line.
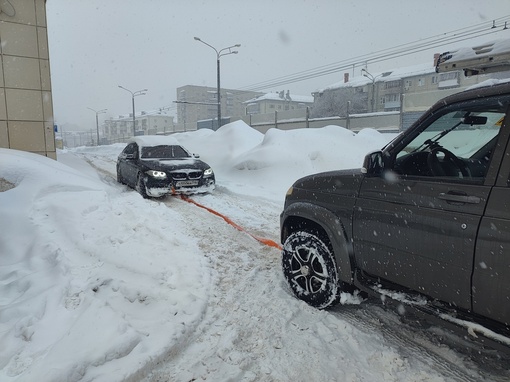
pixel 490 57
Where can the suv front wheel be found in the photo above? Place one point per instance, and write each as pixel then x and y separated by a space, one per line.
pixel 310 269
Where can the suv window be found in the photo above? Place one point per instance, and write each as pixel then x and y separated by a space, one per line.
pixel 456 144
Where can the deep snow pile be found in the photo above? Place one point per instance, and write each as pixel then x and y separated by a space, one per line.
pixel 267 164
pixel 96 282
pixel 91 281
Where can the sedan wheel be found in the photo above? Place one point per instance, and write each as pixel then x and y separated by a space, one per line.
pixel 140 186
pixel 310 270
pixel 119 177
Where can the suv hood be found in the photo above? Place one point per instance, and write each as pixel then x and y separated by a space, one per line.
pixel 342 182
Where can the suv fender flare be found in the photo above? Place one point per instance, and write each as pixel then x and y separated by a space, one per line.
pixel 334 229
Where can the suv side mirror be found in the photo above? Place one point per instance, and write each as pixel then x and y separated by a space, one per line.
pixel 373 165
pixel 130 156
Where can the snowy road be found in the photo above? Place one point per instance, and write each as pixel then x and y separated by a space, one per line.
pixel 254 330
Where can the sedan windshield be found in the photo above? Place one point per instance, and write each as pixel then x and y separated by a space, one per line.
pixel 164 152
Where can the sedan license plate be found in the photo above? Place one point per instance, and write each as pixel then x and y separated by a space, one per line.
pixel 184 183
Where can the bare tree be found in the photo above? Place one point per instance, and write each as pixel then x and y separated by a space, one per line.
pixel 335 102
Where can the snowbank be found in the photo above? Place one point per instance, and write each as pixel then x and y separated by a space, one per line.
pixel 89 286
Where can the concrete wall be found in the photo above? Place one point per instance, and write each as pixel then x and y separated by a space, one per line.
pixel 297 119
pixel 26 108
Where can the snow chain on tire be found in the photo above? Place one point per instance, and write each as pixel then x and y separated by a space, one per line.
pixel 310 269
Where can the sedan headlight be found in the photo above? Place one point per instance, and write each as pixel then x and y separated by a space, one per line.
pixel 157 174
pixel 208 172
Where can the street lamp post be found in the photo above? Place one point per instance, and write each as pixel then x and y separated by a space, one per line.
pixel 133 95
pixel 97 121
pixel 367 74
pixel 219 53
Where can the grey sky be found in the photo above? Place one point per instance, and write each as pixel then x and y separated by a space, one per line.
pixel 96 45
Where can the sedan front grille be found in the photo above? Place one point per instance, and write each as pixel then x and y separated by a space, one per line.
pixel 179 176
pixel 195 175
pixel 186 174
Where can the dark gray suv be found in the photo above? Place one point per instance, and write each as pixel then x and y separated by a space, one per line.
pixel 428 217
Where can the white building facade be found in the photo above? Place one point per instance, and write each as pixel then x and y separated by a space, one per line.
pixel 146 123
pixel 278 101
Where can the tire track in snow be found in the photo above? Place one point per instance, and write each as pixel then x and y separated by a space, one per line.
pixel 417 341
pixel 219 346
pixel 258 216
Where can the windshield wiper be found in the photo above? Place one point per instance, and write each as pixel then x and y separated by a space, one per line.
pixel 432 142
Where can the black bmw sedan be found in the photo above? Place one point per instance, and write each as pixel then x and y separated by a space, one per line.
pixel 156 166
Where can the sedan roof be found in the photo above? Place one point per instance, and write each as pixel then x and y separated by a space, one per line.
pixel 154 140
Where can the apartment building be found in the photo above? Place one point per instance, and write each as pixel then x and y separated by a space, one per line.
pixel 198 103
pixel 278 101
pixel 157 122
pixel 26 108
pixel 408 90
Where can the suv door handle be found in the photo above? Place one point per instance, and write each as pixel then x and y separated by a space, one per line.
pixel 459 197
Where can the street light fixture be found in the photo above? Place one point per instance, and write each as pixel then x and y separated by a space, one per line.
pixel 97 121
pixel 368 75
pixel 133 95
pixel 219 53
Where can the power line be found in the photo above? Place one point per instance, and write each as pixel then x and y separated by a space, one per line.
pixel 402 50
pixel 378 56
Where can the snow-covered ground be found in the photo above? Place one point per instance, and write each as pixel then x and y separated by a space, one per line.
pixel 99 284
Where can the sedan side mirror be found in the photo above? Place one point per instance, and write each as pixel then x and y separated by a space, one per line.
pixel 373 165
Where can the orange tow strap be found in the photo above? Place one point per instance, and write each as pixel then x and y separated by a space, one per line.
pixel 267 242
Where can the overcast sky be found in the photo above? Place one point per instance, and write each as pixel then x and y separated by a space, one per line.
pixel 96 45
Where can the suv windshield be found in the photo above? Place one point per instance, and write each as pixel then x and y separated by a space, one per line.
pixel 462 133
pixel 164 152
pixel 457 144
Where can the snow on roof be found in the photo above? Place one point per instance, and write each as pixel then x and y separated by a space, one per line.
pixel 276 97
pixel 386 76
pixel 161 112
pixel 154 140
pixel 490 57
pixel 491 48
